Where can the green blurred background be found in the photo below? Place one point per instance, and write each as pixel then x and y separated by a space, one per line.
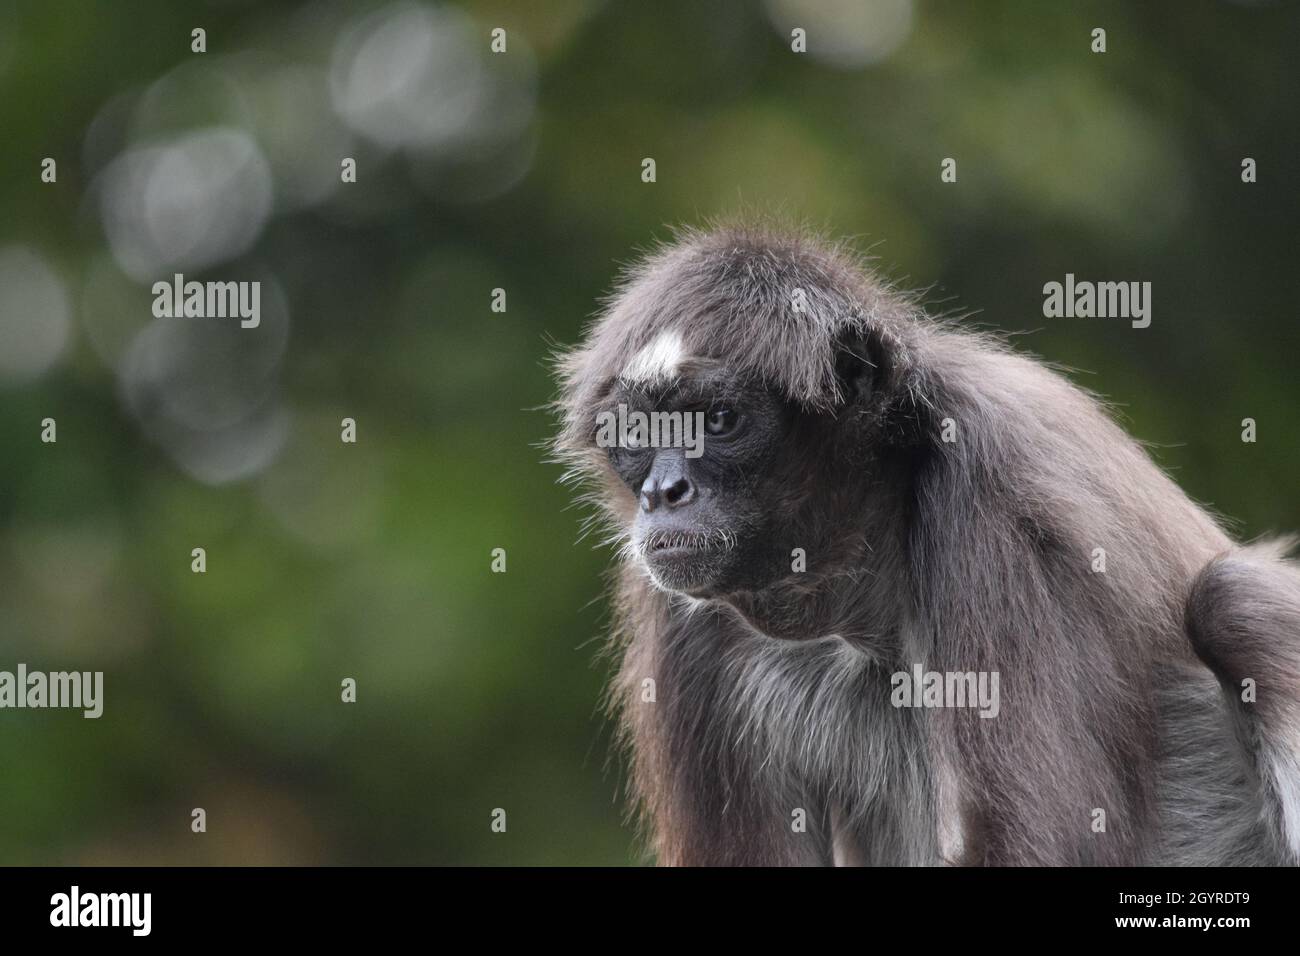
pixel 520 171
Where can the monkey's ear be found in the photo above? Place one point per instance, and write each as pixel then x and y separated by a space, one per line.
pixel 858 365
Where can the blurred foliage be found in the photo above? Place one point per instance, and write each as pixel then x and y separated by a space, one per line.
pixel 326 560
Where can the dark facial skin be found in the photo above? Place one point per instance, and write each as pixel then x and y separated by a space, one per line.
pixel 705 525
pixel 775 481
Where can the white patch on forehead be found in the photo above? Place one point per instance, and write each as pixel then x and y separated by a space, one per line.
pixel 658 361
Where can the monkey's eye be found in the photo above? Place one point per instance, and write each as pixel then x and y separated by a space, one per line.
pixel 719 421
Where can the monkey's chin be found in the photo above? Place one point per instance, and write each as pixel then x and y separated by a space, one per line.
pixel 689 570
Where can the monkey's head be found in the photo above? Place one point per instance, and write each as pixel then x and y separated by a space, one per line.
pixel 730 406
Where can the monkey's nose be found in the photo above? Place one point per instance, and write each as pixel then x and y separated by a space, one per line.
pixel 673 493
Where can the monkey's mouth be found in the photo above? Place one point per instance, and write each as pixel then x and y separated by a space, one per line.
pixel 683 558
pixel 658 545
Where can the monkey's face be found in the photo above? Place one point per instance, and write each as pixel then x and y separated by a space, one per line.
pixel 703 457
pixel 727 486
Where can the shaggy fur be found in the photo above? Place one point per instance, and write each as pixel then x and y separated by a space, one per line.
pixel 1120 691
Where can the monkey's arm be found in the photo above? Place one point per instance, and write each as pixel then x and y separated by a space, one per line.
pixel 1243 618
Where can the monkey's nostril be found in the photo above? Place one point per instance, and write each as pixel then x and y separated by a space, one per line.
pixel 680 492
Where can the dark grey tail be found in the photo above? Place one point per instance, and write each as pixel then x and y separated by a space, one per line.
pixel 1243 619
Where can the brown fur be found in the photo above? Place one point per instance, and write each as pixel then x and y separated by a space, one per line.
pixel 973 555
